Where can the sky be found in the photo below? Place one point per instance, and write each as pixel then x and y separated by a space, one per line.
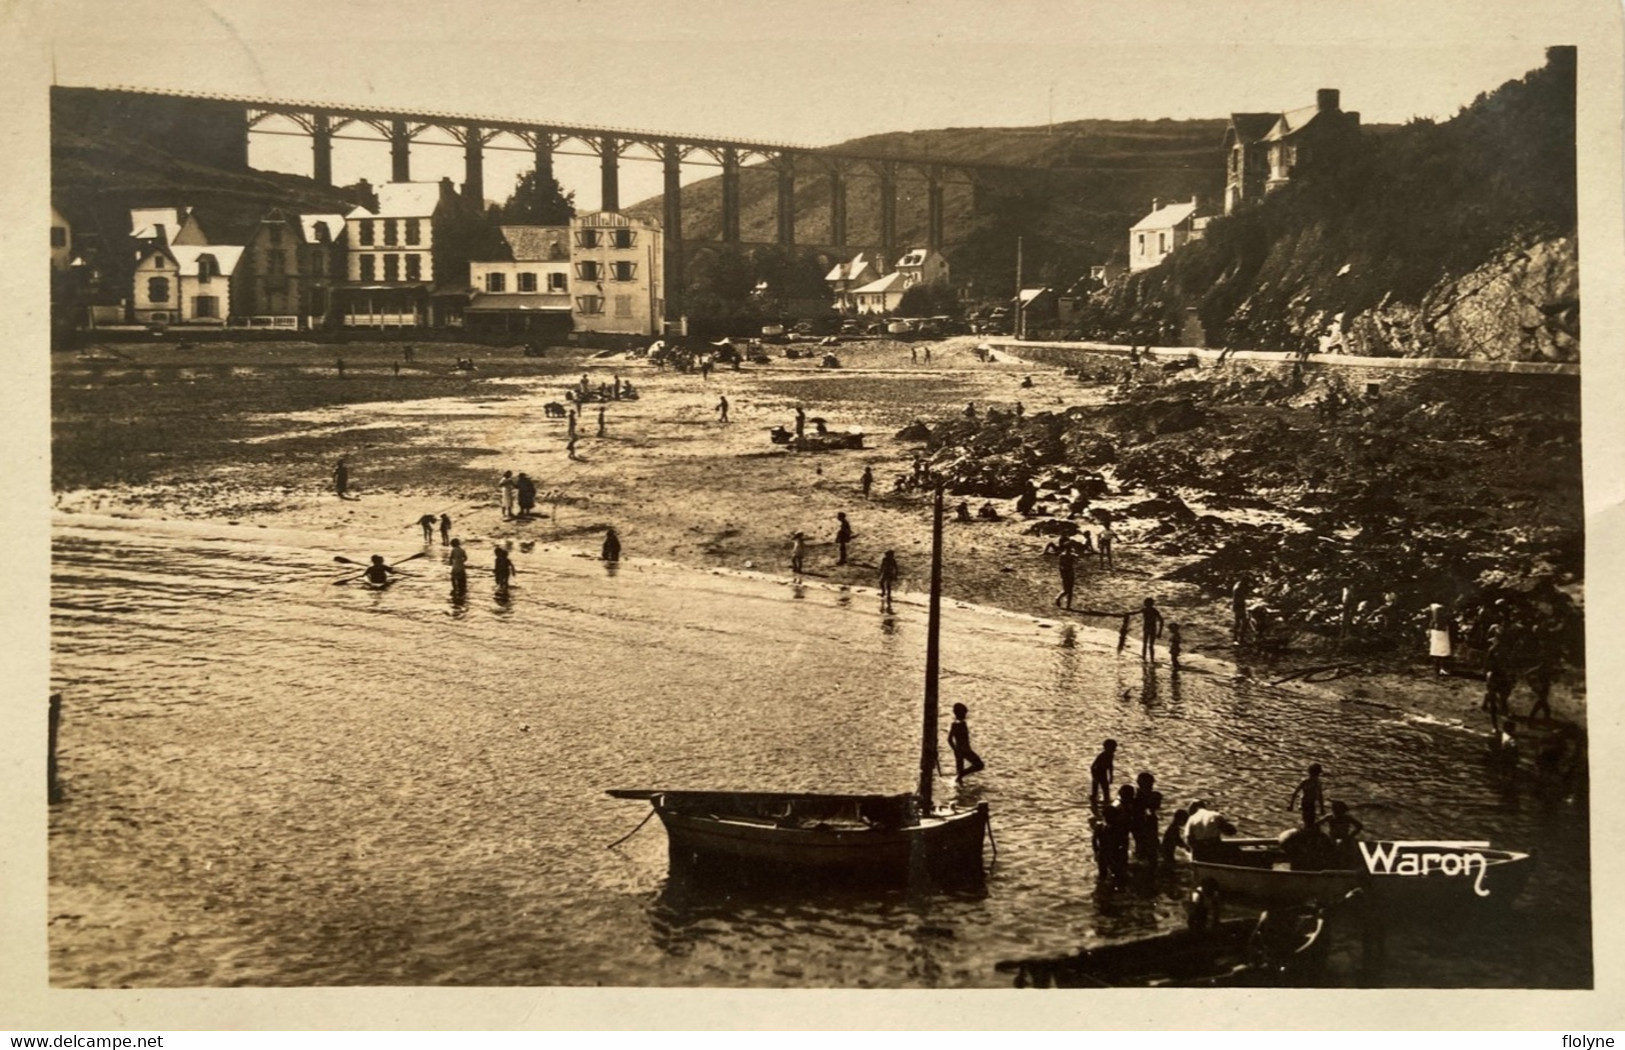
pixel 807 73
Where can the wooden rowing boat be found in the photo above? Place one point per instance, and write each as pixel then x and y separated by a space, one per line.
pixel 811 840
pixel 1414 875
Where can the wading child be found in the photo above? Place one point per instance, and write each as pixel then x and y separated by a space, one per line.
pixel 966 761
pixel 1100 773
pixel 1312 793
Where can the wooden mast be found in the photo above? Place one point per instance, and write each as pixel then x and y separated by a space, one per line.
pixel 933 626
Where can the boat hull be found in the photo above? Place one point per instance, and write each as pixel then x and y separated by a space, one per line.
pixel 1420 886
pixel 937 847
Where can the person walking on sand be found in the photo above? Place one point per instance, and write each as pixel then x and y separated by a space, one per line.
pixel 525 489
pixel 1239 595
pixel 612 546
pixel 1103 544
pixel 570 448
pixel 1312 793
pixel 722 409
pixel 966 761
pixel 801 421
pixel 339 364
pixel 843 536
pixel 459 568
pixel 572 422
pixel 507 488
pixel 426 523
pixel 1438 637
pixel 1066 560
pixel 445 529
pixel 341 479
pixel 503 570
pixel 600 420
pixel 798 551
pixel 888 576
pixel 1176 645
pixel 867 481
pixel 1151 632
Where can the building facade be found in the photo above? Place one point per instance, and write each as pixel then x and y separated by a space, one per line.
pixel 846 278
pixel 289 268
pixel 184 284
pixel 1160 233
pixel 389 255
pixel 882 295
pixel 617 280
pixel 1263 150
pixel 922 266
pixel 527 289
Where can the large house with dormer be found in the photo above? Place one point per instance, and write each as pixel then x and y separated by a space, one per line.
pixel 845 278
pixel 184 284
pixel 1263 150
pixel 289 268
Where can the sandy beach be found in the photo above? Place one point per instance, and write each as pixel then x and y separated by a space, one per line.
pixel 677 483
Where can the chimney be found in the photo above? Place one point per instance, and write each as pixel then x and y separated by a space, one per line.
pixel 1156 203
pixel 1326 100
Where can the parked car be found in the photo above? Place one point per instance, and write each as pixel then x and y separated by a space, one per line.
pixel 773 333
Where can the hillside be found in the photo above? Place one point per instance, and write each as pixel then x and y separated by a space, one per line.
pixel 1104 175
pixel 1441 239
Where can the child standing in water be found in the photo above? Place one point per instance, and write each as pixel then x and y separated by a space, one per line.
pixel 966 761
pixel 1100 773
pixel 1313 794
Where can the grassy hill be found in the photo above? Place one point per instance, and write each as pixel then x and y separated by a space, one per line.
pixel 1093 180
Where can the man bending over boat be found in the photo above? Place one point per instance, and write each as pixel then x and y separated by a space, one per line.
pixel 1205 830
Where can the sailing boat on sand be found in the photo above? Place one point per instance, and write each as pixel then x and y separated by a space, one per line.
pixel 897 840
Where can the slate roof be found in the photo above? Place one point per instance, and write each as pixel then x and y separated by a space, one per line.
pixel 1250 127
pixel 534 243
pixel 890 283
pixel 1166 217
pixel 334 225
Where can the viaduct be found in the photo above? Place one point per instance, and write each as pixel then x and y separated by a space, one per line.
pixel 218 128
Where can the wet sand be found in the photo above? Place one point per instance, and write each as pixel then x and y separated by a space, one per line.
pixel 676 482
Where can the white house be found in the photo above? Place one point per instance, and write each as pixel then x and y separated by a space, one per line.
pixel 618 274
pixel 1156 236
pixel 528 287
pixel 389 256
pixel 881 296
pixel 847 277
pixel 922 266
pixel 184 284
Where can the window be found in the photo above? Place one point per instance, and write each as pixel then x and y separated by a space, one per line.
pixel 392 267
pixel 590 304
pixel 274 235
pixel 587 271
pixel 369 267
pixel 496 282
pixel 414 231
pixel 366 231
pixel 1142 244
pixel 206 306
pixel 527 282
pixel 157 262
pixel 392 231
pixel 206 268
pixel 59 236
pixel 318 263
pixel 555 251
pixel 558 282
pixel 586 238
pixel 625 271
pixel 276 262
pixel 414 266
pixel 157 289
pixel 1162 244
pixel 623 238
pixel 623 306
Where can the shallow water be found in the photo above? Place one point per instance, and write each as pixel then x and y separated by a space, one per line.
pixel 275 781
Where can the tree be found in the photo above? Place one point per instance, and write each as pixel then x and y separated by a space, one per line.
pixel 537 203
pixel 928 300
